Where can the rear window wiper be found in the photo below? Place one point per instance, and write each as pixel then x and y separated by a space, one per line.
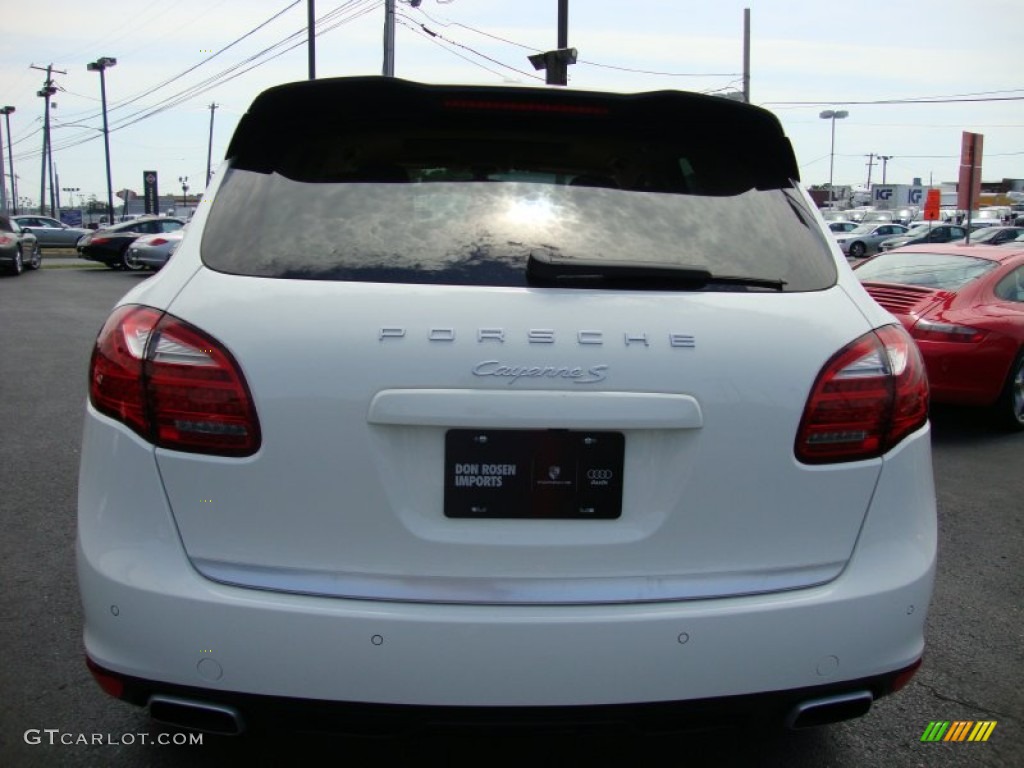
pixel 545 270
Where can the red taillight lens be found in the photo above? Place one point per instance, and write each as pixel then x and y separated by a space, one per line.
pixel 108 681
pixel 868 397
pixel 930 330
pixel 98 240
pixel 173 384
pixel 115 374
pixel 900 681
pixel 6 240
pixel 156 241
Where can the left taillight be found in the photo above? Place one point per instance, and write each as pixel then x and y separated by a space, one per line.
pixel 173 384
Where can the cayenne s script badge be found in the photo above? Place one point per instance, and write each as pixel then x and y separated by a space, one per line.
pixel 513 373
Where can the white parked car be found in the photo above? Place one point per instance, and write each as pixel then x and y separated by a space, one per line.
pixel 498 409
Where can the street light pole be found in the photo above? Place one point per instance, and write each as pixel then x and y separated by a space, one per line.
pixel 183 180
pixel 6 112
pixel 885 160
pixel 833 115
pixel 100 65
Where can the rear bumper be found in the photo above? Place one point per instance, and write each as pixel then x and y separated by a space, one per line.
pixel 151 618
pixel 231 713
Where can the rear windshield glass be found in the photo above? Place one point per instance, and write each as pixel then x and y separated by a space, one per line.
pixel 471 209
pixel 944 271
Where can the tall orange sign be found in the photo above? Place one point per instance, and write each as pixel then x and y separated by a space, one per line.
pixel 969 187
pixel 931 205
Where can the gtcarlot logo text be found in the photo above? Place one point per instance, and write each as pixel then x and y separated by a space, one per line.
pixel 57 736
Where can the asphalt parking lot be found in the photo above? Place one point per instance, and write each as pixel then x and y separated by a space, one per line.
pixel 973 670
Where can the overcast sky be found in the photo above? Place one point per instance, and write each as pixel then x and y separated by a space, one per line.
pixel 830 54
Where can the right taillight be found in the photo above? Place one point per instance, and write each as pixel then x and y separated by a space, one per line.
pixel 930 330
pixel 869 396
pixel 173 384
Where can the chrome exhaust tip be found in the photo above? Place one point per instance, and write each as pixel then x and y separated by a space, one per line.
pixel 196 715
pixel 829 709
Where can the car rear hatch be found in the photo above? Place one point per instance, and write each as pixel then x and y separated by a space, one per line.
pixel 526 347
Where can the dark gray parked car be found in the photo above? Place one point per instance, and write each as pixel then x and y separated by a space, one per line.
pixel 50 233
pixel 18 250
pixel 940 233
pixel 110 245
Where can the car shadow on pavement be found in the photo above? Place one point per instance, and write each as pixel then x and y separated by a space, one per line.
pixel 726 747
pixel 963 424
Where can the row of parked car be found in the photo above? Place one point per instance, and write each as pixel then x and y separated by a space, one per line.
pixel 145 242
pixel 860 240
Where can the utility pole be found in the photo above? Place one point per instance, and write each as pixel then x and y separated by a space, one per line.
pixel 389 39
pixel 311 37
pixel 556 63
pixel 871 164
pixel 209 147
pixel 6 112
pixel 46 92
pixel 746 56
pixel 3 174
pixel 885 160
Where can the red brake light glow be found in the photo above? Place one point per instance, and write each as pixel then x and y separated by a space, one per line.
pixel 172 384
pixel 488 105
pixel 867 398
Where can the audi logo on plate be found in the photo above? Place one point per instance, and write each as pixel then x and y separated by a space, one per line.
pixel 599 474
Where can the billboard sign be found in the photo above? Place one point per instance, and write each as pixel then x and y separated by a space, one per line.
pixel 73 218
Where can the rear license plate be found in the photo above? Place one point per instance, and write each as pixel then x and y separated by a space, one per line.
pixel 533 474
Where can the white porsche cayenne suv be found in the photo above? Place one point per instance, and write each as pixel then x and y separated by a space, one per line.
pixel 478 404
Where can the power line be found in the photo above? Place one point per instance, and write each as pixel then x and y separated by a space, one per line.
pixel 438 36
pixel 579 61
pixel 917 100
pixel 358 9
pixel 152 89
pixel 431 38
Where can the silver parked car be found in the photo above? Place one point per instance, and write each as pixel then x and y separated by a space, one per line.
pixel 18 249
pixel 153 251
pixel 50 233
pixel 864 240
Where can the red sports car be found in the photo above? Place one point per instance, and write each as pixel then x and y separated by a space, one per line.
pixel 964 305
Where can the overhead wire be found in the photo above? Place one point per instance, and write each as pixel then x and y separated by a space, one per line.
pixel 358 8
pixel 437 36
pixel 120 104
pixel 579 61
